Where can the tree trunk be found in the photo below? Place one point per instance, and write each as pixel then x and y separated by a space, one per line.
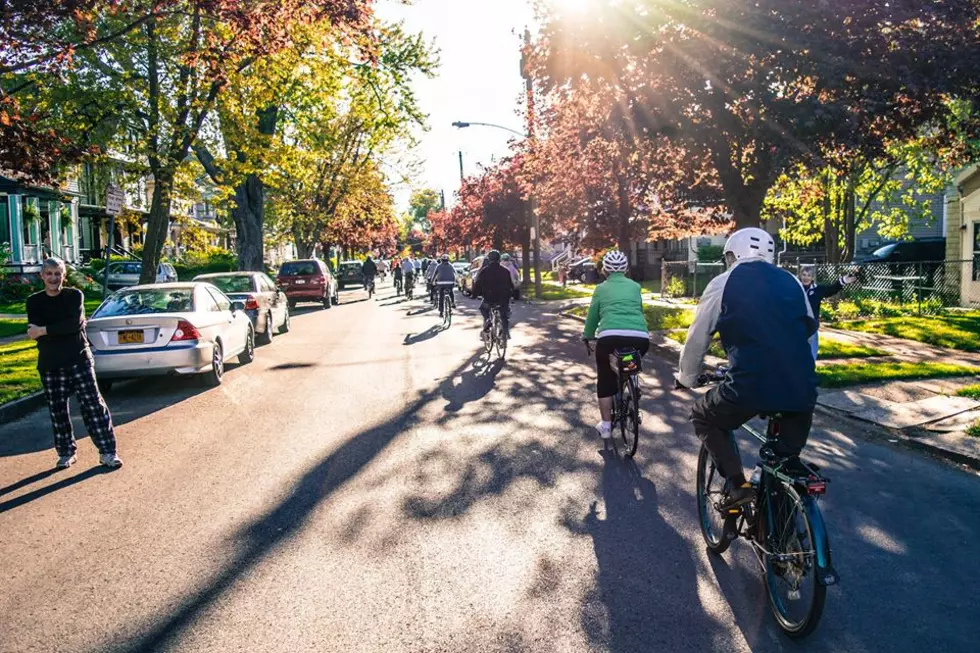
pixel 157 225
pixel 849 227
pixel 526 244
pixel 249 214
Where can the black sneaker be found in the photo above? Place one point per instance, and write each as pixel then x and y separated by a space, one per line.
pixel 737 497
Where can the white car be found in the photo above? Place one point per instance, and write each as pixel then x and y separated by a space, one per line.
pixel 173 328
pixel 123 274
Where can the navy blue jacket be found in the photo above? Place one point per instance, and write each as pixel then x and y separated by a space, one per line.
pixel 816 294
pixel 764 319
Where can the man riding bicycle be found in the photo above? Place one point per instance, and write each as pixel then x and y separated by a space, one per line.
pixel 369 269
pixel 430 286
pixel 765 321
pixel 494 284
pixel 397 276
pixel 408 271
pixel 444 278
pixel 616 312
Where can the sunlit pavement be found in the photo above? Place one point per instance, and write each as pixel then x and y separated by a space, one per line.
pixel 373 483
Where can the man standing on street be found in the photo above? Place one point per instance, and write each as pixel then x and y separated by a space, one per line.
pixel 56 319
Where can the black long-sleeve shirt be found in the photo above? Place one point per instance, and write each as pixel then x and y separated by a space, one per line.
pixel 816 294
pixel 63 315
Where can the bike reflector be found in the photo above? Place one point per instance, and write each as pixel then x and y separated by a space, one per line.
pixel 816 486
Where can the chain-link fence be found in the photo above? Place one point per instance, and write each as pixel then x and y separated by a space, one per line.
pixel 881 289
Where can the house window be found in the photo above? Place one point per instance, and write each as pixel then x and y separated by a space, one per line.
pixel 4 221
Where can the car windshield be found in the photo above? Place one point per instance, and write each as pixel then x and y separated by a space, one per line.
pixel 882 252
pixel 232 284
pixel 126 268
pixel 147 301
pixel 350 267
pixel 298 269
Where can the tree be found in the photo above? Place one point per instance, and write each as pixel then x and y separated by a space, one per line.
pixel 422 202
pixel 757 86
pixel 161 66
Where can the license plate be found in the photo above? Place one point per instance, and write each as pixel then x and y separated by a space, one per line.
pixel 300 281
pixel 130 337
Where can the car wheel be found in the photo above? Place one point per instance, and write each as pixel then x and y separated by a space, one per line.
pixel 105 385
pixel 285 324
pixel 217 371
pixel 265 337
pixel 248 354
pixel 327 302
pixel 292 303
pixel 336 298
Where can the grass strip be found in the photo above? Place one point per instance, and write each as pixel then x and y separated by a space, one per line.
pixel 844 374
pixel 954 331
pixel 12 327
pixel 18 370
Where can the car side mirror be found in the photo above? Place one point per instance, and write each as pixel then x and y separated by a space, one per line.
pixel 237 306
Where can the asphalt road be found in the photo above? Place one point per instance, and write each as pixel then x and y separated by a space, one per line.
pixel 371 483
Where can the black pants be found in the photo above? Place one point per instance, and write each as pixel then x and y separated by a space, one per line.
pixel 504 314
pixel 607 382
pixel 715 417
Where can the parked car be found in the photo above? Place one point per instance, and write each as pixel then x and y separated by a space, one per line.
pixel 349 274
pixel 123 274
pixel 461 268
pixel 265 304
pixel 910 251
pixel 584 271
pixel 308 280
pixel 173 328
pixel 468 277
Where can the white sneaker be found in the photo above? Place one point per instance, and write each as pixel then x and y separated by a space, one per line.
pixel 604 429
pixel 110 460
pixel 64 462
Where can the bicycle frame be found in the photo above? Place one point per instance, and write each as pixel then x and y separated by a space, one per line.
pixel 826 575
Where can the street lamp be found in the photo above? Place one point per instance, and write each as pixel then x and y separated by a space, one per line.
pixel 459 124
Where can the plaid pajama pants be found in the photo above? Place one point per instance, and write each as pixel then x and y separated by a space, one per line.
pixel 59 386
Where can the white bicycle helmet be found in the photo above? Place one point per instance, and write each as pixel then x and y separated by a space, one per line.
pixel 615 261
pixel 751 242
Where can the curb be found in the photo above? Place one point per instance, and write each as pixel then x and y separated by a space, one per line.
pixel 14 410
pixel 871 431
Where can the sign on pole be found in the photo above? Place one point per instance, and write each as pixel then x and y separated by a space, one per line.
pixel 113 200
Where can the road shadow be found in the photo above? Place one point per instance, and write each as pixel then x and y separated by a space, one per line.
pixel 24 482
pixel 27 497
pixel 431 332
pixel 472 385
pixel 129 400
pixel 420 311
pixel 648 579
pixel 292 366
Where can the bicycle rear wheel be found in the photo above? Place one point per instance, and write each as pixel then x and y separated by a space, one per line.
pixel 629 418
pixel 716 529
pixel 796 597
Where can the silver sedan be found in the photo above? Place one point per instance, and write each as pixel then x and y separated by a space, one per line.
pixel 173 328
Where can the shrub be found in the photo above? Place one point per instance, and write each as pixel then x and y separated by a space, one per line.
pixel 19 288
pixel 711 253
pixel 674 287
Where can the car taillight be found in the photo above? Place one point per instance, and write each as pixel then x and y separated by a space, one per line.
pixel 186 331
pixel 251 304
pixel 319 279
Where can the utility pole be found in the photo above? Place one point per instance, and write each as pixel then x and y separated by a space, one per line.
pixel 535 223
pixel 461 167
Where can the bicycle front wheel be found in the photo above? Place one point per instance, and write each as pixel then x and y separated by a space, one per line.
pixel 796 597
pixel 716 528
pixel 629 418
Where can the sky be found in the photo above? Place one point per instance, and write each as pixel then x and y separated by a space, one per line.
pixel 479 80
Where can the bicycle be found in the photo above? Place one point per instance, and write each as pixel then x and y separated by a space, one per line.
pixel 626 403
pixel 446 306
pixel 495 337
pixel 398 286
pixel 410 288
pixel 783 525
pixel 370 288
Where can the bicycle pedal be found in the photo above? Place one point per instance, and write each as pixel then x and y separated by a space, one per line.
pixel 793 595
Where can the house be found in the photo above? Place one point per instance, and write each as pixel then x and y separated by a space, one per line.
pixel 963 234
pixel 37 222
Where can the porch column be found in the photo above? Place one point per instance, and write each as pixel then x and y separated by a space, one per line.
pixel 74 232
pixel 54 225
pixel 16 209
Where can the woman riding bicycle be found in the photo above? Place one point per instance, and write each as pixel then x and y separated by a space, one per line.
pixel 616 313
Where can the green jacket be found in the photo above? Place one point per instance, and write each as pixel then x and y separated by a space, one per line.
pixel 616 310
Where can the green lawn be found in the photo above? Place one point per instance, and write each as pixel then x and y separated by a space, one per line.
pixel 552 292
pixel 956 331
pixel 659 318
pixel 17 308
pixel 12 327
pixel 971 391
pixel 974 430
pixel 18 370
pixel 829 349
pixel 843 374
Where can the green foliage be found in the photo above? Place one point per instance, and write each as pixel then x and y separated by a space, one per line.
pixel 714 348
pixel 18 370
pixel 552 292
pixel 830 349
pixel 422 202
pixel 857 306
pixel 711 253
pixel 12 327
pixel 974 430
pixel 971 391
pixel 214 259
pixel 15 289
pixel 955 331
pixel 675 287
pixel 844 374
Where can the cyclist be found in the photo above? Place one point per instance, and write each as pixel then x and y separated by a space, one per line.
pixel 397 276
pixel 495 285
pixel 430 286
pixel 369 269
pixel 816 294
pixel 444 279
pixel 616 318
pixel 408 271
pixel 508 262
pixel 764 319
pixel 383 269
